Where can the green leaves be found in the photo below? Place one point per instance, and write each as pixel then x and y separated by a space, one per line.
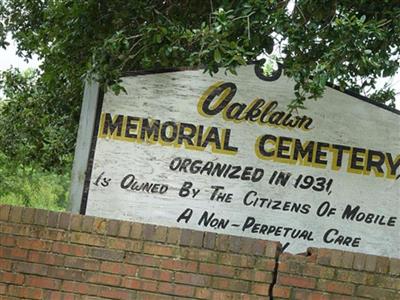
pixel 217 56
pixel 349 43
pixel 35 126
pixel 353 42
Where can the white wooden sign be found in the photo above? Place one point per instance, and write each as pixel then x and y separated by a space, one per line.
pixel 223 154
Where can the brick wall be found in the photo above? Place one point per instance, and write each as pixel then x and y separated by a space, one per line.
pixel 49 255
pixel 325 274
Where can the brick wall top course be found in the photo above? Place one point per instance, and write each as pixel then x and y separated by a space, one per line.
pixel 58 255
pixel 102 232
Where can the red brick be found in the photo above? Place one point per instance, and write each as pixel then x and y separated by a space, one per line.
pixel 142 260
pixel 183 290
pixel 69 249
pixel 76 222
pixel 124 244
pixel 216 270
pixel 288 257
pixel 335 287
pixel 124 229
pixel 64 220
pixel 136 231
pixel 6 228
pixel 3 288
pixel 370 263
pixel 131 283
pixel 292 267
pixel 281 291
pixel 13 278
pixel 34 244
pixel 4 212
pixel 336 258
pixel 230 284
pixel 260 276
pixel 359 261
pixel 114 293
pixel 104 279
pixel 99 225
pixel 317 271
pixel 166 288
pixel 202 293
pixel 222 242
pixel 382 264
pixel 245 274
pixel 52 234
pixel 25 292
pixel 265 264
pixel 29 268
pixel 79 287
pixel 7 241
pixel 323 257
pixel 52 220
pixel 24 230
pixel 198 254
pixel 309 295
pixel 351 276
pixel 161 250
pixel 5 264
pixel 54 295
pixel 112 227
pixel 343 297
pixel 106 254
pixel 376 293
pixel 296 281
pixel 13 253
pixel 156 274
pixel 260 289
pixel 259 247
pixel 387 282
pixel 272 249
pixel 312 255
pixel 254 275
pixel 15 214
pixel 87 223
pixel 148 285
pixel 195 238
pixel 82 263
pixel 192 279
pixel 238 260
pixel 87 239
pixel 45 258
pixel 66 273
pixel 222 295
pixel 43 282
pixel 173 236
pixel 151 296
pixel 179 265
pixel 118 268
pixel 394 266
pixel 41 216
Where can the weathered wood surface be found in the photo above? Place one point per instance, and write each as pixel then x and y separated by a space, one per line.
pixel 337 119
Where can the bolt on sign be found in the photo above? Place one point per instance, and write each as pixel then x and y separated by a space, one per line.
pixel 224 154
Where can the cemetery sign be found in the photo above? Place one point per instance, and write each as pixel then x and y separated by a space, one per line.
pixel 224 154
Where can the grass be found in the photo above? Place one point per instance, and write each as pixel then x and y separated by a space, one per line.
pixel 32 187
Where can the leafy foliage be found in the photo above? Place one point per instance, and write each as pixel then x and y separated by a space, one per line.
pixel 349 43
pixel 35 126
pixel 30 186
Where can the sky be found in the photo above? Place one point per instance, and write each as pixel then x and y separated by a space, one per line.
pixel 8 59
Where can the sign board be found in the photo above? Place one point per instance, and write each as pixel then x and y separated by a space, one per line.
pixel 223 154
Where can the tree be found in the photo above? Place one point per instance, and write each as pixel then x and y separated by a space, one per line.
pixel 349 43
